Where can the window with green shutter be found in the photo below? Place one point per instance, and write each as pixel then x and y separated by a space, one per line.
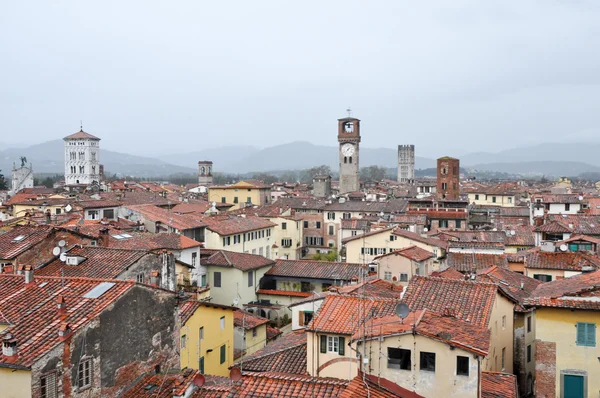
pixel 323 344
pixel 223 353
pixel 586 334
pixel 342 341
pixel 201 365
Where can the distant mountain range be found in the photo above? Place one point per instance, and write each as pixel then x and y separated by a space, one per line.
pixel 544 159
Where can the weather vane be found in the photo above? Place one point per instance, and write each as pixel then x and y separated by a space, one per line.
pixel 349 110
pixel 81 125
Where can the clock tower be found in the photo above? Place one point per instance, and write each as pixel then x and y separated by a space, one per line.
pixel 349 140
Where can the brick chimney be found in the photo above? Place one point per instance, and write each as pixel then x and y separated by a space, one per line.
pixel 9 346
pixel 61 305
pixel 64 330
pixel 103 237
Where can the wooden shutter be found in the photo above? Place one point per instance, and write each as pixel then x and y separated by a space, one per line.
pixel 581 333
pixel 342 344
pixel 591 335
pixel 323 344
pixel 301 318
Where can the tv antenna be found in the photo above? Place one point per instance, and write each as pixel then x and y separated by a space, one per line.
pixel 349 110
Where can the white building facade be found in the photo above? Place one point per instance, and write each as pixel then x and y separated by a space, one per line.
pixel 82 159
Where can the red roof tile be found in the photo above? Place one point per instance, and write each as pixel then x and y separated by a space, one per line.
pixel 572 261
pixel 316 269
pixel 31 310
pixel 418 238
pixel 375 387
pixel 449 273
pixel 466 300
pixel 241 261
pixel 373 288
pixel 286 354
pixel 469 262
pixel 167 217
pixel 81 135
pixel 515 285
pixel 498 385
pixel 21 238
pixel 187 309
pixel 228 225
pixel 247 320
pixel 287 293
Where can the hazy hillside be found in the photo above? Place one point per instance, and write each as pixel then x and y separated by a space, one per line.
pixel 221 157
pixel 548 152
pixel 49 158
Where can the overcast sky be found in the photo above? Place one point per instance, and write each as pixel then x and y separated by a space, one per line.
pixel 173 76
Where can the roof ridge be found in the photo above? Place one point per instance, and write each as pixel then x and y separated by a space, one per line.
pixel 275 352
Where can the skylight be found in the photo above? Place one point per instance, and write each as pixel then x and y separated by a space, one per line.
pixel 19 238
pixel 99 290
pixel 122 236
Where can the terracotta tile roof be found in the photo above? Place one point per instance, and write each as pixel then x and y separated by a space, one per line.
pixel 149 241
pixel 498 385
pixel 449 273
pixel 268 211
pixel 312 269
pixel 241 261
pixel 32 310
pixel 187 309
pixel 228 225
pixel 97 203
pixel 476 245
pixel 286 354
pixel 571 261
pixel 413 253
pixel 516 211
pixel 302 203
pixel 418 238
pixel 519 235
pixel 167 217
pixel 447 329
pixel 343 314
pixel 476 236
pixel 247 320
pixel 466 300
pixel 410 219
pixel 185 208
pixel 355 223
pixel 286 293
pixel 556 198
pixel 283 385
pixel 136 198
pixel 170 385
pixel 468 262
pixel 581 223
pixel 398 206
pixel 272 332
pixel 375 388
pixel 20 239
pixel 555 227
pixel 440 214
pixel 373 288
pixel 515 285
pixel 575 238
pixel 99 262
pixel 81 135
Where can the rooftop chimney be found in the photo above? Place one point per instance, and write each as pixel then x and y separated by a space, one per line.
pixel 64 330
pixel 103 237
pixel 28 274
pixel 9 345
pixel 61 304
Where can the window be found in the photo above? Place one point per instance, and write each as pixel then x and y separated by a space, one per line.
pixel 331 230
pixel 529 353
pixel 493 199
pixel 458 223
pixel 223 353
pixel 217 279
pixel 201 365
pixel 399 358
pixel 462 366
pixel 305 224
pixel 308 316
pixel 331 216
pixel 503 322
pixel 503 358
pixel 567 206
pixel 318 224
pixel 222 322
pixel 260 251
pixel 48 386
pixel 443 223
pixel 283 225
pixel 427 360
pixel 347 216
pixel 350 159
pixel 543 277
pixel 194 255
pixel 332 344
pixel 201 333
pixel 183 341
pixel 248 199
pixel 387 275
pixel 476 197
pixel 58 211
pixel 84 373
pixel 403 277
pixel 254 332
pixel 93 214
pixel 139 278
pixel 251 277
pixel 586 334
pixel 223 199
pixel 235 200
pixel 203 280
pixel 109 213
pixel 354 233
pixel 509 199
pixel 529 324
pixel 444 186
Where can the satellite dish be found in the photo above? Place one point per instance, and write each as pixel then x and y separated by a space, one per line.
pixel 425 229
pixel 512 233
pixel 236 301
pixel 580 198
pixel 402 310
pixel 63 257
pixel 563 248
pixel 68 208
pixel 235 374
pixel 62 243
pixel 199 380
pixel 56 251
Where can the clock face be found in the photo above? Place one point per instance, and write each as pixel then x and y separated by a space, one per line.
pixel 349 127
pixel 347 149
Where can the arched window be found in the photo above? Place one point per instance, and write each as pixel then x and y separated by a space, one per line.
pixel 350 160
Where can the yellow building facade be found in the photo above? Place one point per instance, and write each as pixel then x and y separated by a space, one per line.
pixel 240 193
pixel 15 383
pixel 206 338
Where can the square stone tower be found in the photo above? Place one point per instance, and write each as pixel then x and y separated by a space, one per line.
pixel 406 164
pixel 349 140
pixel 205 175
pixel 448 176
pixel 82 159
